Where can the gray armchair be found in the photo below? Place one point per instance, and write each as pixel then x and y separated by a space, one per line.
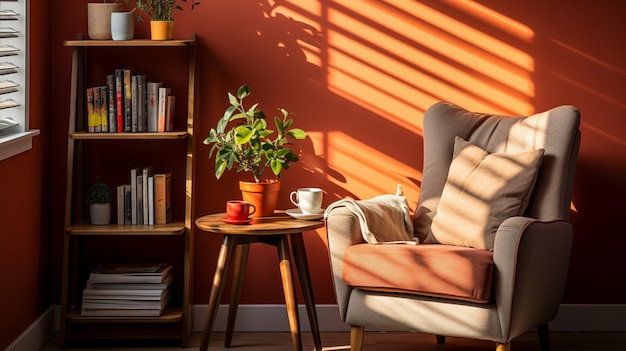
pixel 497 286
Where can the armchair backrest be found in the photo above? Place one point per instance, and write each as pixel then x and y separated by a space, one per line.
pixel 556 131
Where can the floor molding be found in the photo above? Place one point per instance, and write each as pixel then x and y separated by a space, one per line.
pixel 38 333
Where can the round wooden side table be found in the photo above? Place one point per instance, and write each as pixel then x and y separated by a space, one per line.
pixel 279 230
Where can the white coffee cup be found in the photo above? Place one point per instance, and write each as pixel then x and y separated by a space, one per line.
pixel 308 200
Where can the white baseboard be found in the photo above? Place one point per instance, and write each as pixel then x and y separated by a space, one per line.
pixel 273 318
pixel 37 334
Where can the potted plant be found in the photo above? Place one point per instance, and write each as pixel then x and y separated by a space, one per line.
pixel 250 144
pixel 99 198
pixel 99 18
pixel 160 14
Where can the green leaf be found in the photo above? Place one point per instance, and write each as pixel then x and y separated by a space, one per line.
pixel 282 152
pixel 220 167
pixel 259 125
pixel 251 110
pixel 259 114
pixel 233 100
pixel 291 157
pixel 279 125
pixel 229 112
pixel 288 123
pixel 276 166
pixel 265 132
pixel 243 91
pixel 211 138
pixel 238 116
pixel 243 134
pixel 297 133
pixel 213 148
pixel 221 125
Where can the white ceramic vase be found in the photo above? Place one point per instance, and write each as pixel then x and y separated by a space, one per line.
pixel 100 213
pixel 122 26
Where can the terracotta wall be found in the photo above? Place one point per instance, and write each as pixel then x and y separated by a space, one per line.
pixel 359 75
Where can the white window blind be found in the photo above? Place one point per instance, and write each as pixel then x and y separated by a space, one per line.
pixel 15 134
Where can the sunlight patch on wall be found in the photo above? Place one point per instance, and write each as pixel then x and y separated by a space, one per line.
pixel 359 162
pixel 414 51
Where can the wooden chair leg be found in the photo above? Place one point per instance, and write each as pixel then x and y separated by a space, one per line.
pixel 356 337
pixel 441 340
pixel 503 347
pixel 544 337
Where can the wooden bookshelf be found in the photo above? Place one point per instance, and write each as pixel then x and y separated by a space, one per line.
pixel 176 321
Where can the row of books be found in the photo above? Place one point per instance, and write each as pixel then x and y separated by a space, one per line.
pixel 127 290
pixel 129 103
pixel 147 199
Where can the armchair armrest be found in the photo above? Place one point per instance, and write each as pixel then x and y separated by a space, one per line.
pixel 531 260
pixel 343 230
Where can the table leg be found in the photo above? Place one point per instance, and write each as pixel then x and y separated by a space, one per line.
pixel 241 258
pixel 284 256
pixel 299 254
pixel 223 265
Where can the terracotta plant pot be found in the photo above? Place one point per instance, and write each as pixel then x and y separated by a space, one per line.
pixel 162 30
pixel 99 19
pixel 263 195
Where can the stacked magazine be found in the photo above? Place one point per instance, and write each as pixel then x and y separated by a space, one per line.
pixel 127 290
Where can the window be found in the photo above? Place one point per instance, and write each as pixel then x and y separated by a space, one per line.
pixel 15 135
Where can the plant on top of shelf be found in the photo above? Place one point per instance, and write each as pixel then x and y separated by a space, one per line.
pixel 160 10
pixel 249 142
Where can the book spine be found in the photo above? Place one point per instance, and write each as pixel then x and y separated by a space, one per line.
pixel 133 193
pixel 142 107
pixel 153 105
pixel 134 104
pixel 163 94
pixel 162 198
pixel 90 111
pixel 139 198
pixel 104 107
pixel 128 100
pixel 170 113
pixel 119 99
pixel 120 204
pixel 151 200
pixel 97 120
pixel 111 102
pixel 128 214
pixel 146 172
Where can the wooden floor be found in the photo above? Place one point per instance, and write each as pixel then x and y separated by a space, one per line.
pixel 375 341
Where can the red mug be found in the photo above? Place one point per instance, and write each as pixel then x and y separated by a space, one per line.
pixel 239 210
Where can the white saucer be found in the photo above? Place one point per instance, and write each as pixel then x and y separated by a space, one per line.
pixel 296 213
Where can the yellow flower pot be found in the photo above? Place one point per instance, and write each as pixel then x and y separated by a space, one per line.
pixel 162 30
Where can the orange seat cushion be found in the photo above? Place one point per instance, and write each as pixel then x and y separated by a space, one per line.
pixel 453 272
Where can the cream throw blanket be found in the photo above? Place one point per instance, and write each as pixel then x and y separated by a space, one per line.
pixel 384 219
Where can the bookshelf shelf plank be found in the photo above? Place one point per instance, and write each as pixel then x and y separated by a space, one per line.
pixel 131 43
pixel 173 228
pixel 133 136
